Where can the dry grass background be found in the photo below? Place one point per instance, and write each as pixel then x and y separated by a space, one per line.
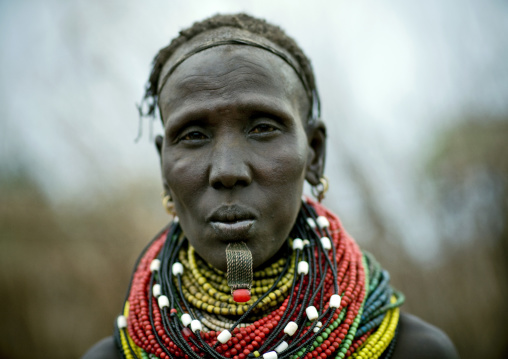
pixel 64 271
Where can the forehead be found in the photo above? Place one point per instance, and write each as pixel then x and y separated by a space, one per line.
pixel 208 39
pixel 232 74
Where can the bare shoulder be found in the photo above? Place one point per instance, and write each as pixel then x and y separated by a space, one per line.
pixel 105 349
pixel 420 340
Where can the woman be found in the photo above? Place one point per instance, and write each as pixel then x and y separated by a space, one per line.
pixel 247 268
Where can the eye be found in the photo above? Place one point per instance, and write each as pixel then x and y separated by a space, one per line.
pixel 193 136
pixel 263 128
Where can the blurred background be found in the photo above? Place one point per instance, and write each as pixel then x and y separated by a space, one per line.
pixel 415 96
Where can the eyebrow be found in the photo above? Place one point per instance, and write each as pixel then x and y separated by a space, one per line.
pixel 192 115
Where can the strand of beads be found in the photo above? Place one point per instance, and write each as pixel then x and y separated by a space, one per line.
pixel 302 334
pixel 126 342
pixel 304 296
pixel 377 343
pixel 378 302
pixel 139 327
pixel 179 338
pixel 312 321
pixel 387 354
pixel 264 278
pixel 307 348
pixel 203 295
pixel 349 266
pixel 218 323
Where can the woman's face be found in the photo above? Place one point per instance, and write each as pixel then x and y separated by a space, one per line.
pixel 235 152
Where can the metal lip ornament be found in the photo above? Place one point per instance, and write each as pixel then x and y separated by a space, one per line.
pixel 239 273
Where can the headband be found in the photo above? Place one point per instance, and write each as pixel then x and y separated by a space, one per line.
pixel 312 93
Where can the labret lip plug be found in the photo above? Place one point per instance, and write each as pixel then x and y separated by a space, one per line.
pixel 239 271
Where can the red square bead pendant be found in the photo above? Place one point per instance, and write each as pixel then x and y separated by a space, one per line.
pixel 241 295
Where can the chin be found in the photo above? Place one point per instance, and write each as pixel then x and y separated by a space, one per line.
pixel 218 260
pixel 215 259
pixel 222 265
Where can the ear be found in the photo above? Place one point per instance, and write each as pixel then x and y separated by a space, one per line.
pixel 158 144
pixel 316 134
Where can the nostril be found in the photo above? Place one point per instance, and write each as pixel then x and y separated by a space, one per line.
pixel 217 185
pixel 229 183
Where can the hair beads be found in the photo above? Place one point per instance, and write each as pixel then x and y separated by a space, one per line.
pixel 337 304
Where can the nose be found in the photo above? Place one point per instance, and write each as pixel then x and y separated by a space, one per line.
pixel 229 166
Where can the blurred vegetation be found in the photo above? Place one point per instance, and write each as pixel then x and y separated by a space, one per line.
pixel 464 291
pixel 64 270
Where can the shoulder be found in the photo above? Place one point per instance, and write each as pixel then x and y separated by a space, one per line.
pixel 105 349
pixel 420 340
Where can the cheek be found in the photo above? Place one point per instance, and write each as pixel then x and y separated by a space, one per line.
pixel 289 166
pixel 284 179
pixel 186 177
pixel 186 181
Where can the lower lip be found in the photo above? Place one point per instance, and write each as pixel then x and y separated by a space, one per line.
pixel 232 230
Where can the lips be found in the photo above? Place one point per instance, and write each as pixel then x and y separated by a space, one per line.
pixel 232 223
pixel 229 214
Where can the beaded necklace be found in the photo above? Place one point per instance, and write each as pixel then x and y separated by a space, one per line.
pixel 322 299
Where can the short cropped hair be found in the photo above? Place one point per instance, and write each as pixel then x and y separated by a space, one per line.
pixel 242 21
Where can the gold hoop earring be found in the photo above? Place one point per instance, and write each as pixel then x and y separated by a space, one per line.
pixel 167 203
pixel 321 188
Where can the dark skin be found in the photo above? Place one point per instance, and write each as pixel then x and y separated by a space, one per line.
pixel 236 150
